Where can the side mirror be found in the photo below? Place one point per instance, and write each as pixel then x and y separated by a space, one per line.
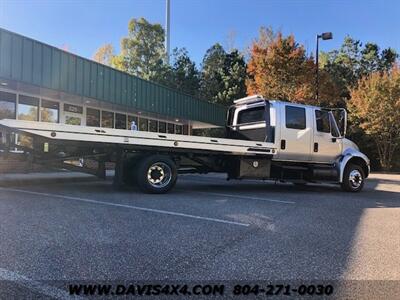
pixel 342 122
pixel 340 117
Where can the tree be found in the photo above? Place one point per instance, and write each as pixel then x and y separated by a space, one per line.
pixel 375 107
pixel 211 81
pixel 223 75
pixel 266 36
pixel 279 68
pixel 374 60
pixel 233 78
pixel 343 65
pixel 184 74
pixel 353 61
pixel 143 52
pixel 105 55
pixel 143 55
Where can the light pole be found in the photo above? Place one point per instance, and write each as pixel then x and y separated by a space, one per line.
pixel 324 36
pixel 167 29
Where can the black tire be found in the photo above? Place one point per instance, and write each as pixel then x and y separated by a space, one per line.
pixel 353 178
pixel 156 174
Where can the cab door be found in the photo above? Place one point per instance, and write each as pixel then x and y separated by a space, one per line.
pixel 326 146
pixel 295 133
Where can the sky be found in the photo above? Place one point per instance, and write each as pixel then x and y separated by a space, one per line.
pixel 82 26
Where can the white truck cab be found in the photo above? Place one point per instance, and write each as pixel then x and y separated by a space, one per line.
pixel 308 139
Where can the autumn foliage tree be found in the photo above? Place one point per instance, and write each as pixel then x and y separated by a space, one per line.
pixel 105 55
pixel 375 107
pixel 279 68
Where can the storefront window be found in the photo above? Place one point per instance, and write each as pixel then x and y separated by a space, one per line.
pixel 170 128
pixel 186 129
pixel 73 114
pixel 153 125
pixel 71 120
pixel 7 105
pixel 49 111
pixel 179 129
pixel 143 124
pixel 28 108
pixel 73 109
pixel 120 121
pixel 162 127
pixel 92 117
pixel 107 119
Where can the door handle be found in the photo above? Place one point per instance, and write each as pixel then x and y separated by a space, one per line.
pixel 333 140
pixel 315 147
pixel 283 144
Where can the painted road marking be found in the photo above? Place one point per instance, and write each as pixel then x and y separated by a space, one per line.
pixel 246 197
pixel 36 286
pixel 159 211
pixel 237 196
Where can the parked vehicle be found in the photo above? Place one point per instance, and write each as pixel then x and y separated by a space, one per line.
pixel 265 139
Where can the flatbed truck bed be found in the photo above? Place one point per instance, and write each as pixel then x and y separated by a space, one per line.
pixel 132 140
pixel 266 139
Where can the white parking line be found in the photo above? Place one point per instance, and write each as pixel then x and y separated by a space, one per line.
pixel 247 197
pixel 165 212
pixel 36 286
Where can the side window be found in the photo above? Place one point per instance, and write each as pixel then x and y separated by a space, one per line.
pixel 143 124
pixel 28 108
pixel 153 125
pixel 178 129
pixel 162 127
pixel 7 105
pixel 295 117
pixel 120 121
pixel 107 119
pixel 170 128
pixel 50 111
pixel 322 120
pixel 92 117
pixel 251 115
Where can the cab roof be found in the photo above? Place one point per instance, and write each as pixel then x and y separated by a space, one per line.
pixel 259 98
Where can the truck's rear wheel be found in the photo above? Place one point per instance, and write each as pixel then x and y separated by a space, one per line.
pixel 156 174
pixel 353 178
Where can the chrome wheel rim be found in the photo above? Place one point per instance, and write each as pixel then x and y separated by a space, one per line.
pixel 355 179
pixel 159 175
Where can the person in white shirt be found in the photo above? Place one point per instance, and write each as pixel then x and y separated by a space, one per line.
pixel 134 126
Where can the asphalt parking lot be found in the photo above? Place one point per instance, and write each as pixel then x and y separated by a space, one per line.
pixel 205 229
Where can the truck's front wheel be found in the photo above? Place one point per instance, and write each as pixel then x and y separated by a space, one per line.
pixel 353 178
pixel 156 174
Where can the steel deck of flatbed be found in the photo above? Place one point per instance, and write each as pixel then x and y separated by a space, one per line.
pixel 73 133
